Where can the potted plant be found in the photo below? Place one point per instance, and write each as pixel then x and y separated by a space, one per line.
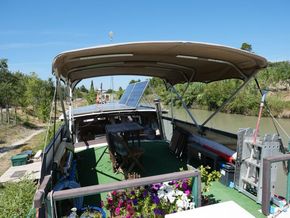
pixel 92 212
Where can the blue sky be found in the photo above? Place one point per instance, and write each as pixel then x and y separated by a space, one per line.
pixel 33 32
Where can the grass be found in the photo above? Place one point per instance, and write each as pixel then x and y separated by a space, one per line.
pixel 16 198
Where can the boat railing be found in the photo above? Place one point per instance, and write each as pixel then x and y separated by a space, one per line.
pixel 266 196
pixel 55 196
pixel 47 158
pixel 41 191
pixel 186 123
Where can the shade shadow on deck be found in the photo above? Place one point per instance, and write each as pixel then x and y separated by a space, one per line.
pixel 157 159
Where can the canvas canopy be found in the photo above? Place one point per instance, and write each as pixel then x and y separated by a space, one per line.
pixel 175 62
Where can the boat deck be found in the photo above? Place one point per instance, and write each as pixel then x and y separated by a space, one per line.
pixel 94 167
pixel 220 193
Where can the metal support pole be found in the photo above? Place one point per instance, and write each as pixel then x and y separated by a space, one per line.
pixel 59 90
pixel 159 118
pixel 196 190
pixel 185 107
pixel 70 110
pixel 226 102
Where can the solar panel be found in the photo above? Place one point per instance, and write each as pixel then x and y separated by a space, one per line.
pixel 136 94
pixel 133 94
pixel 126 94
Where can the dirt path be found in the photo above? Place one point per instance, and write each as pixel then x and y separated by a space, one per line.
pixel 19 143
pixel 34 139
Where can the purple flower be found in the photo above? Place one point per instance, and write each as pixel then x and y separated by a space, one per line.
pixel 135 201
pixel 156 186
pixel 145 193
pixel 155 199
pixel 158 211
pixel 187 192
pixel 184 186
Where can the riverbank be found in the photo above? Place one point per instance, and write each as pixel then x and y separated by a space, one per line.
pixel 19 138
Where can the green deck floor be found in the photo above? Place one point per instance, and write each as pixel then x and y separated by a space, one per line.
pixel 94 167
pixel 222 193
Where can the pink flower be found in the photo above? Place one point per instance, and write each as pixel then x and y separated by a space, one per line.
pixel 117 211
pixel 114 192
pixel 110 201
pixel 187 192
pixel 130 209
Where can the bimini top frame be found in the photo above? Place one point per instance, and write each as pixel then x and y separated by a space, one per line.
pixel 173 61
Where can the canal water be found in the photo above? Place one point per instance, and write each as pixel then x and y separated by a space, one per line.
pixel 232 123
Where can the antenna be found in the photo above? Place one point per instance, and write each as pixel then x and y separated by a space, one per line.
pixel 111 34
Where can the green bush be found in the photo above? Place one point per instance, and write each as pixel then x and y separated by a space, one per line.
pixel 207 177
pixel 16 198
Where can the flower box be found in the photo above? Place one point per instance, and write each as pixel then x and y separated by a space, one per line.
pixel 151 201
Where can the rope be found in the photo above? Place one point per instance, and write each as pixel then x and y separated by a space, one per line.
pixel 282 148
pixel 271 115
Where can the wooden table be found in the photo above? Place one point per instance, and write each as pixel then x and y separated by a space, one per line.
pixel 128 130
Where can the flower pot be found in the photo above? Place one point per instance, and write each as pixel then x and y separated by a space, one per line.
pixel 93 212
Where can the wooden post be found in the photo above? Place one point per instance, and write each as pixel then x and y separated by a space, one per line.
pixel 15 121
pixel 7 114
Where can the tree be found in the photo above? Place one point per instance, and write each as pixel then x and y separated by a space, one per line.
pixel 7 85
pixel 109 91
pixel 39 95
pixel 247 47
pixel 91 96
pixel 83 89
pixel 119 93
pixel 134 81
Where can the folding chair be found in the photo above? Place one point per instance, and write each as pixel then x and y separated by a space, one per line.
pixel 129 155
